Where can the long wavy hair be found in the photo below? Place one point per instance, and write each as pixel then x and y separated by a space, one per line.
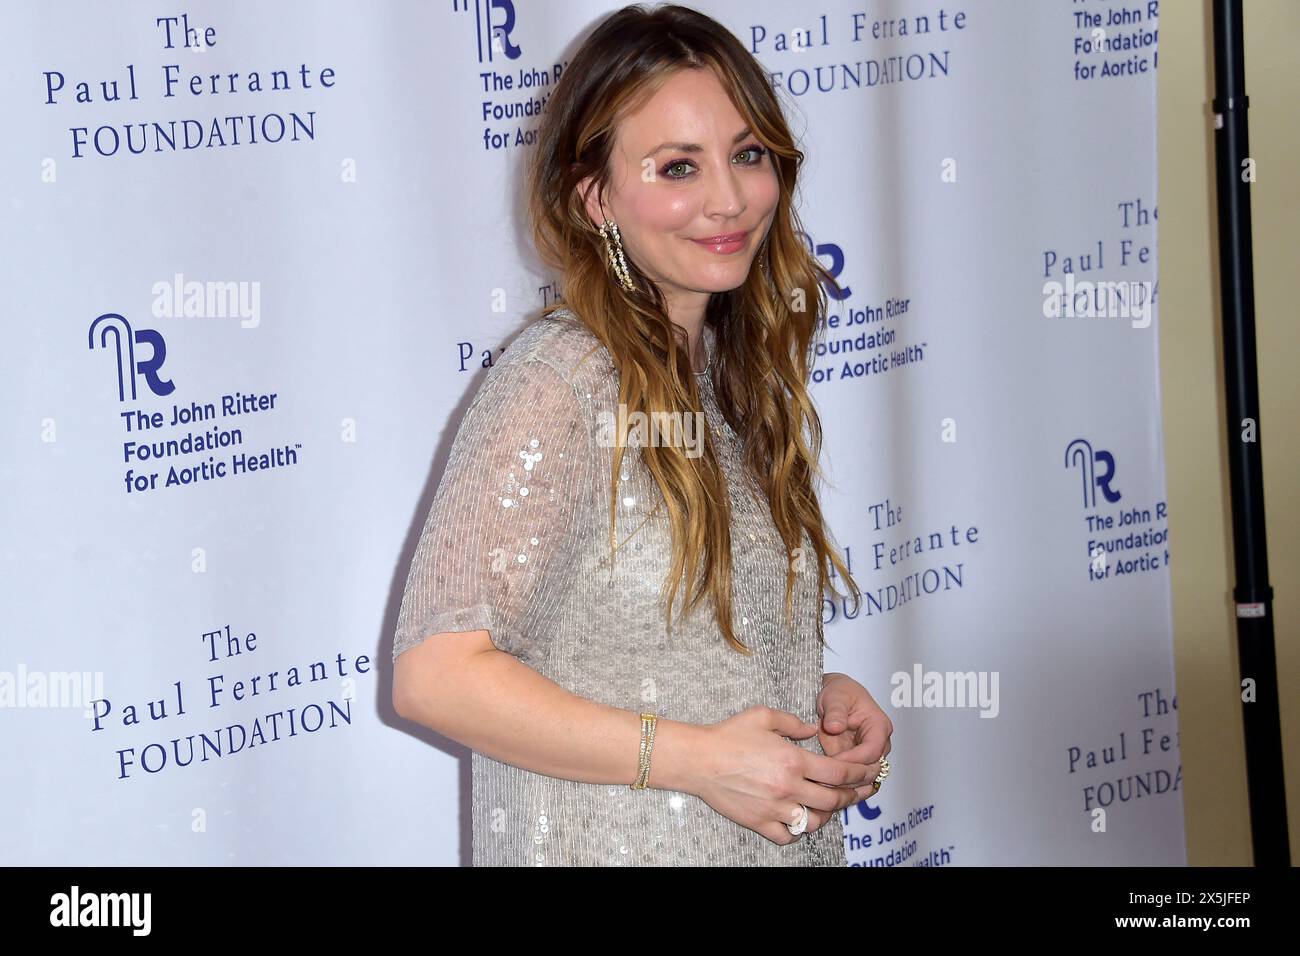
pixel 764 330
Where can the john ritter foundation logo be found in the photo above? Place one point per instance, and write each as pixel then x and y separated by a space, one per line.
pixel 167 438
pixel 1121 541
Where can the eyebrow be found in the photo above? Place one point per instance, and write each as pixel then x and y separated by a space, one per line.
pixel 693 147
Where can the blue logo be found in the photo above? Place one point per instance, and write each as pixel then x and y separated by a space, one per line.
pixel 129 368
pixel 836 255
pixel 1079 453
pixel 495 20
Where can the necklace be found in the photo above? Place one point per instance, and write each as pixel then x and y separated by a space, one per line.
pixel 707 334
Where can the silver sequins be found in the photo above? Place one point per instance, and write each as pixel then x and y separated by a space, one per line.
pixel 596 628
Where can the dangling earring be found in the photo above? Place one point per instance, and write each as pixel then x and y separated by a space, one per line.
pixel 614 250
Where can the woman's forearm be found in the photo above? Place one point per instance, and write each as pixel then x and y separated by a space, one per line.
pixel 496 705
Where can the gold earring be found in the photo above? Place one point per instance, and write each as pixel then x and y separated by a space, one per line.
pixel 614 250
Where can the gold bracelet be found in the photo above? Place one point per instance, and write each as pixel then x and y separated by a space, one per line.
pixel 648 722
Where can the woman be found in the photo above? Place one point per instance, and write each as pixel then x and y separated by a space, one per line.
pixel 621 615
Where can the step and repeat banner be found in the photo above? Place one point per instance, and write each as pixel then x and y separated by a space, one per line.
pixel 257 259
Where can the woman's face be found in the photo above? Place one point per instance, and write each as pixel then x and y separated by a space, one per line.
pixel 685 168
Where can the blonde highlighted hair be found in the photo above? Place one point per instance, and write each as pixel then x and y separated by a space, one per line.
pixel 764 330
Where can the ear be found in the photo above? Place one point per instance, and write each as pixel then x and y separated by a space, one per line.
pixel 588 191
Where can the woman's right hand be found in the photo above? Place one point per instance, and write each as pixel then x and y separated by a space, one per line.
pixel 751 774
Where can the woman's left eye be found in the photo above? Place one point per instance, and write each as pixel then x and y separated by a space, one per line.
pixel 758 151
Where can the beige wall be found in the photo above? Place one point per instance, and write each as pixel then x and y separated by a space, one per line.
pixel 1191 364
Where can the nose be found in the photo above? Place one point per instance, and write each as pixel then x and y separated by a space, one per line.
pixel 726 196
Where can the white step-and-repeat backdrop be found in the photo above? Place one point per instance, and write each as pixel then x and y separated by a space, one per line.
pixel 255 256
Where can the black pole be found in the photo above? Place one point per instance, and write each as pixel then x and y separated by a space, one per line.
pixel 1252 593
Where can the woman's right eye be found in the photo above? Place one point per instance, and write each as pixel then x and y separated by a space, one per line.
pixel 673 165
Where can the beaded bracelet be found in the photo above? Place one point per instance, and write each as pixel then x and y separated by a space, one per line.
pixel 648 722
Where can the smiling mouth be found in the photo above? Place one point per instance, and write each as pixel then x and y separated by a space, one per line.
pixel 726 244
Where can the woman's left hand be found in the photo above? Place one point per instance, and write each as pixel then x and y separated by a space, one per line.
pixel 853 727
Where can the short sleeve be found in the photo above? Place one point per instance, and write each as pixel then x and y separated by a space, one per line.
pixel 501 537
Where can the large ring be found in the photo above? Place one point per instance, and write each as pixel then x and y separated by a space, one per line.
pixel 800 821
pixel 880 777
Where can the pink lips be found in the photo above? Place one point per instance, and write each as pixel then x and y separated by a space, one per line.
pixel 731 242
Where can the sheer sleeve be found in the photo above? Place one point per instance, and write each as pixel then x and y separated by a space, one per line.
pixel 502 534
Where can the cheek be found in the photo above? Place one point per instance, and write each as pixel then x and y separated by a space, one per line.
pixel 662 216
pixel 764 192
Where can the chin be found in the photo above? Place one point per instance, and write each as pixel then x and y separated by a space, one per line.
pixel 723 280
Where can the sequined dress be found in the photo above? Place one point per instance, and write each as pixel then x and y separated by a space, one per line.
pixel 516 542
